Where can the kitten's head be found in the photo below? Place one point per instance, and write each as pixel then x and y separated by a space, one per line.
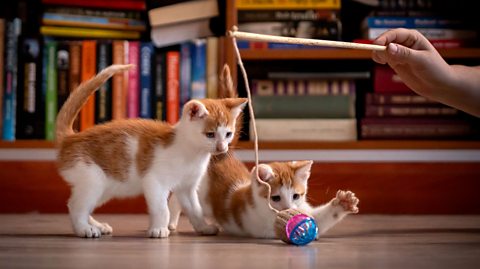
pixel 288 181
pixel 211 122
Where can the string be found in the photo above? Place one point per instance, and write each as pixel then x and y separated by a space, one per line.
pixel 252 117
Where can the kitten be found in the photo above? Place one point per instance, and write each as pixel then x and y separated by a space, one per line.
pixel 126 158
pixel 232 197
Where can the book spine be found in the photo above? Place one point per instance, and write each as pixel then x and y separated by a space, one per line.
pixel 323 29
pixel 11 79
pixel 92 21
pixel 119 105
pixel 387 81
pixel 397 99
pixel 133 80
pixel 270 15
pixel 51 108
pixel 328 106
pixel 212 67
pixel 409 111
pixel 431 33
pixel 160 81
pixel 75 72
pixel 261 45
pixel 63 65
pixel 146 79
pixel 199 85
pixel 136 15
pixel 119 4
pixel 413 22
pixel 82 32
pixel 2 70
pixel 103 97
pixel 89 69
pixel 185 72
pixel 306 129
pixel 288 4
pixel 291 87
pixel 173 87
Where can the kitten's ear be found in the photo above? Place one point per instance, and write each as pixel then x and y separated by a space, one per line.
pixel 226 83
pixel 265 172
pixel 302 169
pixel 236 105
pixel 195 110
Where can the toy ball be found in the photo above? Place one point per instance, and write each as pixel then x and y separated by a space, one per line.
pixel 295 227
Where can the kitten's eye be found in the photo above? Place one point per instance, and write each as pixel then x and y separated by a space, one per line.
pixel 276 198
pixel 296 196
pixel 229 134
pixel 210 135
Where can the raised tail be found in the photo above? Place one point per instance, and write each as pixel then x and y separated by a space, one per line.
pixel 78 98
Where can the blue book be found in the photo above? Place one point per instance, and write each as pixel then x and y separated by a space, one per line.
pixel 185 72
pixel 414 22
pixel 199 67
pixel 13 31
pixel 146 79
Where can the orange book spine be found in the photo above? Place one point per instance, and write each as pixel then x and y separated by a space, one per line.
pixel 119 102
pixel 89 59
pixel 173 87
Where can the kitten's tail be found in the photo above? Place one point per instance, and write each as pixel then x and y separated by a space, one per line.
pixel 78 98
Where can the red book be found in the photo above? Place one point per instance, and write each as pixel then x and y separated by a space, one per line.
pixel 119 105
pixel 410 111
pixel 387 81
pixel 109 4
pixel 89 60
pixel 376 98
pixel 173 87
pixel 133 101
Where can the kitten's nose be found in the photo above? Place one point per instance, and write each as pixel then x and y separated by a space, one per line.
pixel 221 147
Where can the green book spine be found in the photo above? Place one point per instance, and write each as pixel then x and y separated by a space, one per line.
pixel 51 90
pixel 304 107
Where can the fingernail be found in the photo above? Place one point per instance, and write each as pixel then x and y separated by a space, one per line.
pixel 392 48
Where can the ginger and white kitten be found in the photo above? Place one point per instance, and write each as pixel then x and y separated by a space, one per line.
pixel 232 197
pixel 126 158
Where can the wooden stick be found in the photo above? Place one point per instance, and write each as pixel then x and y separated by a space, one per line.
pixel 304 41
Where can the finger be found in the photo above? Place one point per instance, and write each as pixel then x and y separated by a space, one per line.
pixel 379 57
pixel 398 54
pixel 406 37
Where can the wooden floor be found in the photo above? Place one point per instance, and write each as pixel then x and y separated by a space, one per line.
pixel 360 241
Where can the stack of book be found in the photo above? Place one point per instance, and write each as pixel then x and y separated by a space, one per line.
pixel 394 111
pixel 94 19
pixel 303 109
pixel 442 29
pixel 303 19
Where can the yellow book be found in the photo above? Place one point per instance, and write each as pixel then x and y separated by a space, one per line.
pixel 288 4
pixel 88 32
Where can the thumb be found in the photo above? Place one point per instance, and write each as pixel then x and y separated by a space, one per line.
pixel 400 54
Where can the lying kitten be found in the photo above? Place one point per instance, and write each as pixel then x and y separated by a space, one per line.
pixel 232 197
pixel 126 158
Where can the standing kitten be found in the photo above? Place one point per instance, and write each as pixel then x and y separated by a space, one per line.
pixel 126 158
pixel 234 199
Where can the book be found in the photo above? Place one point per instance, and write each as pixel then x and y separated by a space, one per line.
pixel 103 96
pixel 51 109
pixel 95 12
pixel 147 54
pixel 29 113
pixel 160 80
pixel 199 63
pixel 319 29
pixel 410 111
pixel 186 50
pixel 413 22
pixel 319 75
pixel 12 31
pixel 430 33
pixel 109 4
pixel 376 98
pixel 80 32
pixel 182 12
pixel 212 67
pixel 305 129
pixel 89 70
pixel 263 45
pixel 63 65
pixel 59 19
pixel 311 87
pixel 437 43
pixel 288 4
pixel 408 128
pixel 385 80
pixel 266 15
pixel 171 34
pixel 304 106
pixel 119 102
pixel 75 72
pixel 2 69
pixel 172 107
pixel 133 91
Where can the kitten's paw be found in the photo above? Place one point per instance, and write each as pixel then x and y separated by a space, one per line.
pixel 105 228
pixel 347 200
pixel 88 231
pixel 158 233
pixel 172 227
pixel 209 230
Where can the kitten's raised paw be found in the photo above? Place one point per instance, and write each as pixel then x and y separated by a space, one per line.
pixel 347 200
pixel 172 227
pixel 158 233
pixel 88 231
pixel 209 230
pixel 105 228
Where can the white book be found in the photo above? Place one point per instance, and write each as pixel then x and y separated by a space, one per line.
pixel 172 34
pixel 305 129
